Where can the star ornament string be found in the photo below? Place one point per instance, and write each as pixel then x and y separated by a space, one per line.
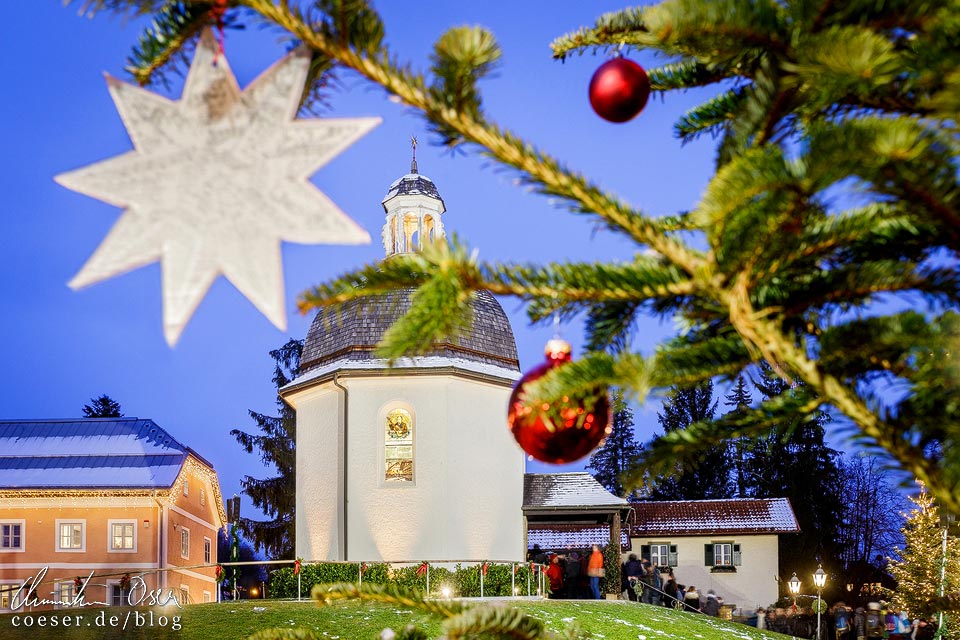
pixel 216 181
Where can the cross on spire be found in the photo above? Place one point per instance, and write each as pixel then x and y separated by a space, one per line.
pixel 413 163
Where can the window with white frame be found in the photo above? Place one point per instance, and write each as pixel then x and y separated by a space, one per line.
pixel 721 554
pixel 206 596
pixel 119 596
pixel 184 542
pixel 71 535
pixel 186 486
pixel 662 554
pixel 398 446
pixel 184 594
pixel 203 498
pixel 63 594
pixel 11 535
pixel 8 596
pixel 207 550
pixel 123 535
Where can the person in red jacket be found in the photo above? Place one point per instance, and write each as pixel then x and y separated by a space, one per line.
pixel 555 575
pixel 595 571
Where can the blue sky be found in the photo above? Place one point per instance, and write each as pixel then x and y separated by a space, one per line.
pixel 60 347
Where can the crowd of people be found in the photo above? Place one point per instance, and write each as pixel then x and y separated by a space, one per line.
pixel 842 622
pixel 577 575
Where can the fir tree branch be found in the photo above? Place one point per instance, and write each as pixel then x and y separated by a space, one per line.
pixel 612 29
pixel 685 74
pixel 500 622
pixel 173 27
pixel 535 167
pixel 129 7
pixel 716 112
pixel 566 283
pixel 681 449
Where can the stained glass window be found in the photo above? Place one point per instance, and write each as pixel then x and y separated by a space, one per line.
pixel 398 446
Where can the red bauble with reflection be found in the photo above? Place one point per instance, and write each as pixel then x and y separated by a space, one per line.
pixel 619 90
pixel 564 431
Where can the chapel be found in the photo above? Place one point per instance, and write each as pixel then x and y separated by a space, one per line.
pixel 412 461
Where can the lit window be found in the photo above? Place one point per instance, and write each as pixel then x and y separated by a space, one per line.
pixel 8 596
pixel 398 446
pixel 207 550
pixel 71 535
pixel 11 535
pixel 123 536
pixel 184 542
pixel 63 594
pixel 722 554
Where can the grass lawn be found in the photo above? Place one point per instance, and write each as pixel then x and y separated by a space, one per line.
pixel 610 620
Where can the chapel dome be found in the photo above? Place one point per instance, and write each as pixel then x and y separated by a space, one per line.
pixel 412 184
pixel 349 332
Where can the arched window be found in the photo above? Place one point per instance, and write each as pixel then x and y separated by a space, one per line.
pixel 398 446
pixel 428 234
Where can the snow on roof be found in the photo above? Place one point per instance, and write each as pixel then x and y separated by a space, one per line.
pixel 88 453
pixel 570 490
pixel 559 537
pixel 693 517
pixel 441 363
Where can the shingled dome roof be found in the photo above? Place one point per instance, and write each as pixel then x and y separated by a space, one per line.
pixel 350 332
pixel 412 184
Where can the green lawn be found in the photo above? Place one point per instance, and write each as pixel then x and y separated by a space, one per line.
pixel 609 620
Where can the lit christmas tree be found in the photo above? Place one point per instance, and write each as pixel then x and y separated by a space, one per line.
pixel 926 571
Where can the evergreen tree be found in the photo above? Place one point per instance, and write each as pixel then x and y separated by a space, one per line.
pixel 619 451
pixel 921 564
pixel 276 444
pixel 102 407
pixel 739 399
pixel 794 462
pixel 836 183
pixel 707 477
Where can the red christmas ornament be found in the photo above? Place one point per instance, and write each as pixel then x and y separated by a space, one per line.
pixel 619 90
pixel 564 431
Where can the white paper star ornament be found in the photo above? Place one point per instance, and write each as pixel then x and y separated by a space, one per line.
pixel 215 182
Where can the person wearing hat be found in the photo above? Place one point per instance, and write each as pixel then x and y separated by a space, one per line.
pixel 859 624
pixel 874 622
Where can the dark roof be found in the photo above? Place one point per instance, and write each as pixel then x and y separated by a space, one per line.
pixel 576 490
pixel 559 537
pixel 716 517
pixel 88 453
pixel 412 184
pixel 352 330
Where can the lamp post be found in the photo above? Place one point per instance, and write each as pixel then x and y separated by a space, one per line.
pixel 819 579
pixel 794 585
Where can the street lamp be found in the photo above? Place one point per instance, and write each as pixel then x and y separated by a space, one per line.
pixel 819 579
pixel 794 585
